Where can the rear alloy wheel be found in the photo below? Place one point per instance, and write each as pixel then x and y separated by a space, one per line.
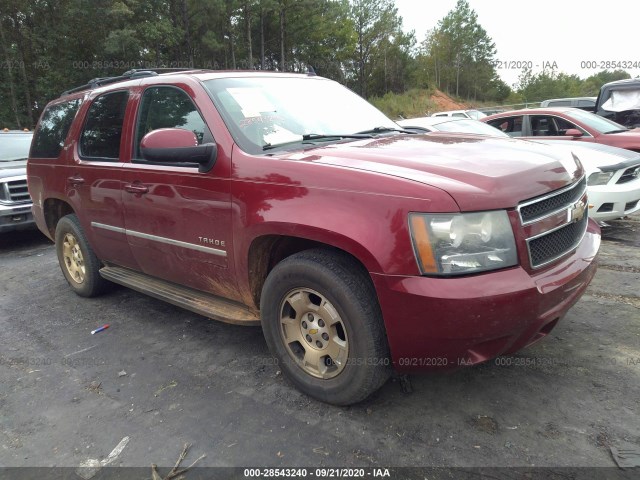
pixel 78 262
pixel 322 321
pixel 73 259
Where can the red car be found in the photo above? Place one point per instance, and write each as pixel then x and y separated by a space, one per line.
pixel 287 201
pixel 565 122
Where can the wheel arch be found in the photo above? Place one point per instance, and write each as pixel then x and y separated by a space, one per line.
pixel 267 250
pixel 54 209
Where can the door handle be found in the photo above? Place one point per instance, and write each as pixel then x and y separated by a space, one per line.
pixel 75 180
pixel 136 187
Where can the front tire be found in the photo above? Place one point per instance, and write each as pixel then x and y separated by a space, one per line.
pixel 78 262
pixel 322 321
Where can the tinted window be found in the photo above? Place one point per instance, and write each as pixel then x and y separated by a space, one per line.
pixel 512 126
pixel 169 107
pixel 100 138
pixel 586 103
pixel 52 131
pixel 560 103
pixel 543 126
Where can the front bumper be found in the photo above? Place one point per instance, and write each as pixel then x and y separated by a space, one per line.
pixel 444 323
pixel 16 217
pixel 613 201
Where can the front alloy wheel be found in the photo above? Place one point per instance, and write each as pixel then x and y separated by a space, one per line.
pixel 322 321
pixel 313 333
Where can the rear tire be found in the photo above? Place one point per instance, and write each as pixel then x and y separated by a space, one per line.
pixel 78 262
pixel 322 321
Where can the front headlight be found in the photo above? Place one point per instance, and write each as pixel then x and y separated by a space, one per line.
pixel 462 243
pixel 599 178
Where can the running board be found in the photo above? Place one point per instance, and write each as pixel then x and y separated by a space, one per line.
pixel 188 298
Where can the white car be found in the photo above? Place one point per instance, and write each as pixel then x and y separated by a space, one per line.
pixel 613 178
pixel 450 124
pixel 613 174
pixel 473 114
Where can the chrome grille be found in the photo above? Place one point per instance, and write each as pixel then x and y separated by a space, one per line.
pixel 16 191
pixel 569 205
pixel 536 209
pixel 553 245
pixel 629 174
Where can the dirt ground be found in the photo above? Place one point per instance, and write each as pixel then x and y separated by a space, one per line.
pixel 164 377
pixel 445 102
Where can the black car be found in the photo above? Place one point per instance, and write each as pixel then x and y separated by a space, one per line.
pixel 620 101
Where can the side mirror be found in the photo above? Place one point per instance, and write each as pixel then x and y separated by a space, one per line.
pixel 177 145
pixel 573 132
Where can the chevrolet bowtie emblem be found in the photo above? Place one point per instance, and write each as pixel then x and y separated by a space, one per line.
pixel 575 213
pixel 313 331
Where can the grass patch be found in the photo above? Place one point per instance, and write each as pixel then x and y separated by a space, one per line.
pixel 410 104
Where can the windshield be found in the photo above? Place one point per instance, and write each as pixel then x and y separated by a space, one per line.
pixel 266 112
pixel 596 122
pixel 469 126
pixel 475 114
pixel 14 146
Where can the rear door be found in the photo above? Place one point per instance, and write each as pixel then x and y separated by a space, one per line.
pixel 545 126
pixel 178 220
pixel 512 126
pixel 94 179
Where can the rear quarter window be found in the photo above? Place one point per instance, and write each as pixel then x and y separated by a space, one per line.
pixel 53 129
pixel 100 138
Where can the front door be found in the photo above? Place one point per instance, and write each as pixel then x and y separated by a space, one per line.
pixel 178 220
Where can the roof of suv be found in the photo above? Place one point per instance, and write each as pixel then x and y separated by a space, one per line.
pixel 201 74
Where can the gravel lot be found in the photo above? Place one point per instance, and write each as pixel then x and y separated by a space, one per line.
pixel 165 377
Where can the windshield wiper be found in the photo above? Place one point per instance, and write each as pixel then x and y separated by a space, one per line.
pixel 621 130
pixel 321 136
pixel 318 136
pixel 387 129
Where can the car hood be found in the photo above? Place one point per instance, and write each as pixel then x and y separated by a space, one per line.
pixel 479 172
pixel 13 168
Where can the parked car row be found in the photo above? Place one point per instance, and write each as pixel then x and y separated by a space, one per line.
pixel 565 122
pixel 613 174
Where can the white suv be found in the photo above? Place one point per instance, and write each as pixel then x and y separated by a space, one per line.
pixel 473 114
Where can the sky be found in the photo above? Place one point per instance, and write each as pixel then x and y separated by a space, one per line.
pixel 580 37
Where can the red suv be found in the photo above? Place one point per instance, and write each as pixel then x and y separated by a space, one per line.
pixel 288 201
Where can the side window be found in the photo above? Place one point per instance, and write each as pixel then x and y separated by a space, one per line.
pixel 100 139
pixel 543 126
pixel 512 126
pixel 563 125
pixel 52 131
pixel 463 115
pixel 560 103
pixel 168 107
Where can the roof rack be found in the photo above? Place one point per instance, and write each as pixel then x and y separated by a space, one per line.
pixel 128 75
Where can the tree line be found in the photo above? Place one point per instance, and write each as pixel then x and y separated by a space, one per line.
pixel 48 46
